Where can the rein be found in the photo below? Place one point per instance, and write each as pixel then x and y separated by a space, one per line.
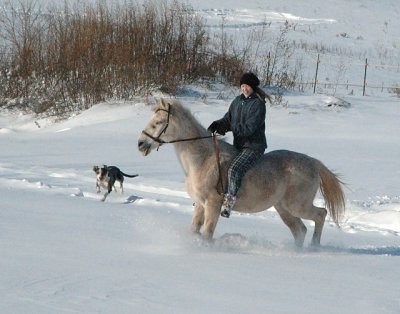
pixel 160 141
pixel 217 153
pixel 214 136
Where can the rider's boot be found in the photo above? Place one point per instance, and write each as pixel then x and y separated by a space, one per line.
pixel 227 205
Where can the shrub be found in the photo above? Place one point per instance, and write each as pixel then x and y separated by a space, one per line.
pixel 69 59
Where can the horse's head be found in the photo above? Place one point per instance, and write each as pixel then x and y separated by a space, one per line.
pixel 153 135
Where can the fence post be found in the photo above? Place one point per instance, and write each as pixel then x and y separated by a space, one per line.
pixel 365 75
pixel 316 74
pixel 268 66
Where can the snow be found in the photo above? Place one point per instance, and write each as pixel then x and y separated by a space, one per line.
pixel 65 251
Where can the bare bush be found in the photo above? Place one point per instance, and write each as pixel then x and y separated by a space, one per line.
pixel 396 91
pixel 69 59
pixel 277 70
pixel 227 60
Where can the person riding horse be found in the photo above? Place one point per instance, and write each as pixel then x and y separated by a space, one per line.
pixel 284 179
pixel 246 119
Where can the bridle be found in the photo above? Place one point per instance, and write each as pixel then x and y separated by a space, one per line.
pixel 160 142
pixel 164 129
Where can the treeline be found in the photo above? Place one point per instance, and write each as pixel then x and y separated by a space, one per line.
pixel 68 59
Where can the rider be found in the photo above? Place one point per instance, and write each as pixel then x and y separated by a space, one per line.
pixel 246 119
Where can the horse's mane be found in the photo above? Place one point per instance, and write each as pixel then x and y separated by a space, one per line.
pixel 185 118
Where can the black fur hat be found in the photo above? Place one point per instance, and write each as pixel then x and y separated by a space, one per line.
pixel 250 79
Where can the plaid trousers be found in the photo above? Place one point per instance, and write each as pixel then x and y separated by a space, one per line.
pixel 240 164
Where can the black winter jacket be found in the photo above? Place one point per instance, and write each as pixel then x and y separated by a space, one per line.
pixel 246 119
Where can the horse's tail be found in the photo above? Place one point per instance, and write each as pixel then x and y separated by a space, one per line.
pixel 331 190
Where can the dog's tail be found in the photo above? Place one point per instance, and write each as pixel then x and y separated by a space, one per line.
pixel 129 175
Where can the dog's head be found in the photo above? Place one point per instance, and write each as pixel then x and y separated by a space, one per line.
pixel 96 169
pixel 100 172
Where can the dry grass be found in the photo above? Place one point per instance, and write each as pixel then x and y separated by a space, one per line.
pixel 72 58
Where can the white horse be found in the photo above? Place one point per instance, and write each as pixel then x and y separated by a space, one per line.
pixel 284 179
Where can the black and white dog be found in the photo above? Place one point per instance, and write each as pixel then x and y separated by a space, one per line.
pixel 106 177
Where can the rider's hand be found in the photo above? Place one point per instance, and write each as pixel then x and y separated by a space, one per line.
pixel 216 127
pixel 213 127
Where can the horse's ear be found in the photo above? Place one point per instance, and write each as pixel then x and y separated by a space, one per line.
pixel 164 103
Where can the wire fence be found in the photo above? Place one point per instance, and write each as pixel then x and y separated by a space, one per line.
pixel 369 76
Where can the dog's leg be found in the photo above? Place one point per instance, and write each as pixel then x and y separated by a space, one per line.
pixel 120 179
pixel 121 183
pixel 97 186
pixel 109 189
pixel 104 197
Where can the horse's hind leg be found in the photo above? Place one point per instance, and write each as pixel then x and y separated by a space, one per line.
pixel 295 225
pixel 317 214
pixel 198 218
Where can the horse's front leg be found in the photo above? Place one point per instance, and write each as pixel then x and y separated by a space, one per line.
pixel 198 218
pixel 212 212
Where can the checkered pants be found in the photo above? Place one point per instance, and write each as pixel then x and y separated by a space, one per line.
pixel 240 164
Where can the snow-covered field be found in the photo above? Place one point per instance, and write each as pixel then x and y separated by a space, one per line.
pixel 64 251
